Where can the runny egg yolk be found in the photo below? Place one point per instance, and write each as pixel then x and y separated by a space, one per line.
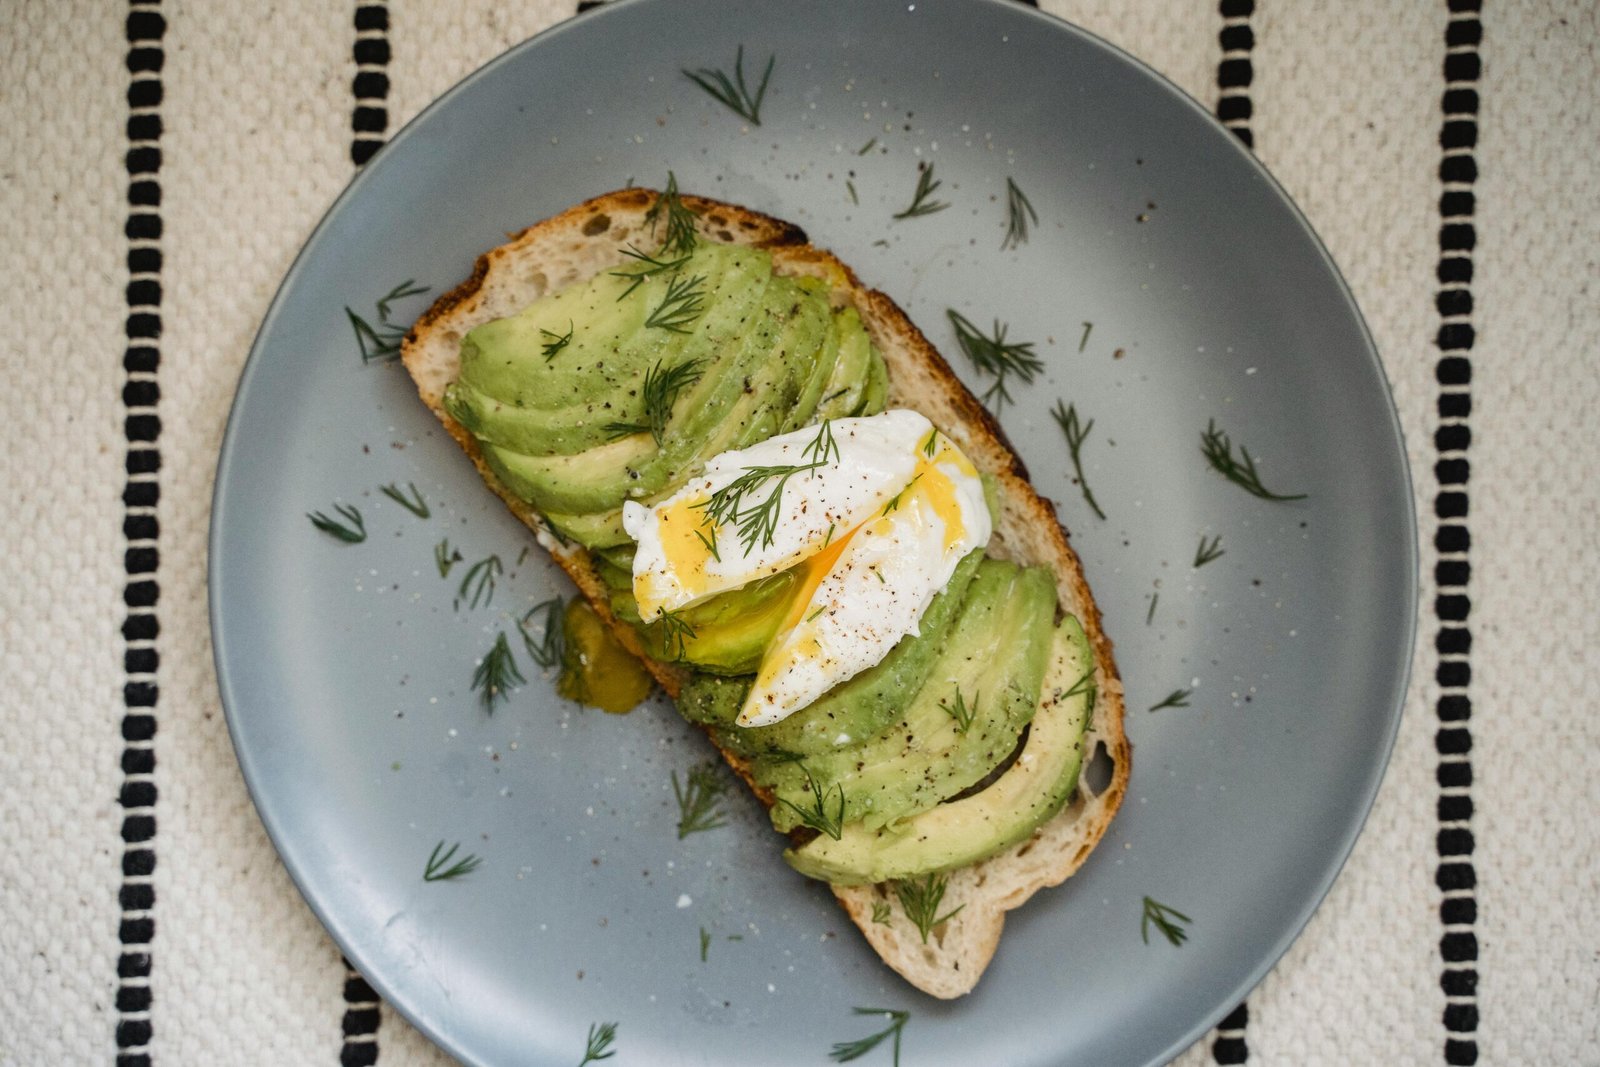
pixel 686 543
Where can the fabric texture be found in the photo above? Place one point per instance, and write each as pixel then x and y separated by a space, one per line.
pixel 161 164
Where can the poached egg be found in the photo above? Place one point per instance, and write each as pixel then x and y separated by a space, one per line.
pixel 874 512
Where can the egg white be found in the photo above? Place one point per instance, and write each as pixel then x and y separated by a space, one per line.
pixel 675 566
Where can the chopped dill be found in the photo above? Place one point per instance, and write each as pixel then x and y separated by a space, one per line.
pixel 734 93
pixel 1019 213
pixel 922 202
pixel 698 799
pixel 414 503
pixel 436 869
pixel 353 534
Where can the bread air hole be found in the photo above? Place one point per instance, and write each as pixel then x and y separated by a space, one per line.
pixel 597 225
pixel 1098 772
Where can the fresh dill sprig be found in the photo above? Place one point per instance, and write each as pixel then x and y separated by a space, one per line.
pixel 930 447
pixel 920 899
pixel 660 391
pixel 733 92
pixel 894 501
pixel 382 341
pixel 1155 598
pixel 437 871
pixel 1088 328
pixel 705 941
pixel 1019 213
pixel 676 633
pixel 698 798
pixel 921 200
pixel 1162 917
pixel 545 650
pixel 496 673
pixel 995 356
pixel 1207 552
pixel 445 557
pixel 556 342
pixel 414 503
pixel 823 448
pixel 864 149
pixel 353 534
pixel 1178 698
pixel 710 543
pixel 957 709
pixel 817 815
pixel 1218 450
pixel 680 239
pixel 477 585
pixel 1076 433
pixel 759 522
pixel 652 266
pixel 1085 684
pixel 598 1047
pixel 850 187
pixel 845 1051
pixel 880 912
pixel 683 303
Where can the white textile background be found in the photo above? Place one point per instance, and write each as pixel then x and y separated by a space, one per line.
pixel 258 121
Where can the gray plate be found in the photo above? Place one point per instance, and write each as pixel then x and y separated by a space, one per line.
pixel 346 670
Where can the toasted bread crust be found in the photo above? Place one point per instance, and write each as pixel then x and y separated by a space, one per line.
pixel 587 238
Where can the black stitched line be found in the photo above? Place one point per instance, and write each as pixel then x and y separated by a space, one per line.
pixel 1456 876
pixel 369 124
pixel 145 27
pixel 1234 76
pixel 360 1024
pixel 369 121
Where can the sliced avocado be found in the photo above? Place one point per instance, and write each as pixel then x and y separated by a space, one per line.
pixel 841 396
pixel 994 658
pixel 876 392
pixel 778 347
pixel 811 392
pixel 856 709
pixel 730 631
pixel 594 530
pixel 1029 793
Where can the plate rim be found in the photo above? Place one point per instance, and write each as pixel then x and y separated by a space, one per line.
pixel 1377 769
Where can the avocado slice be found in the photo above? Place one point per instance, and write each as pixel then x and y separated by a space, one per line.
pixel 779 350
pixel 731 629
pixel 841 396
pixel 512 395
pixel 855 709
pixel 994 658
pixel 1030 792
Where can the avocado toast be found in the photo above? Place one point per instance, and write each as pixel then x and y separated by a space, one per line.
pixel 598 360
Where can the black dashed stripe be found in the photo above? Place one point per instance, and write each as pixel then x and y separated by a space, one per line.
pixel 369 124
pixel 134 999
pixel 360 1023
pixel 1229 1045
pixel 1456 876
pixel 369 121
pixel 1234 75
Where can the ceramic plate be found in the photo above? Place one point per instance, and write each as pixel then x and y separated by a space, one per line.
pixel 1167 285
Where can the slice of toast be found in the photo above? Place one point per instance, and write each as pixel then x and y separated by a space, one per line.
pixel 590 237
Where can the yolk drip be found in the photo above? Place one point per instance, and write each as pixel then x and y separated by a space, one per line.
pixel 681 528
